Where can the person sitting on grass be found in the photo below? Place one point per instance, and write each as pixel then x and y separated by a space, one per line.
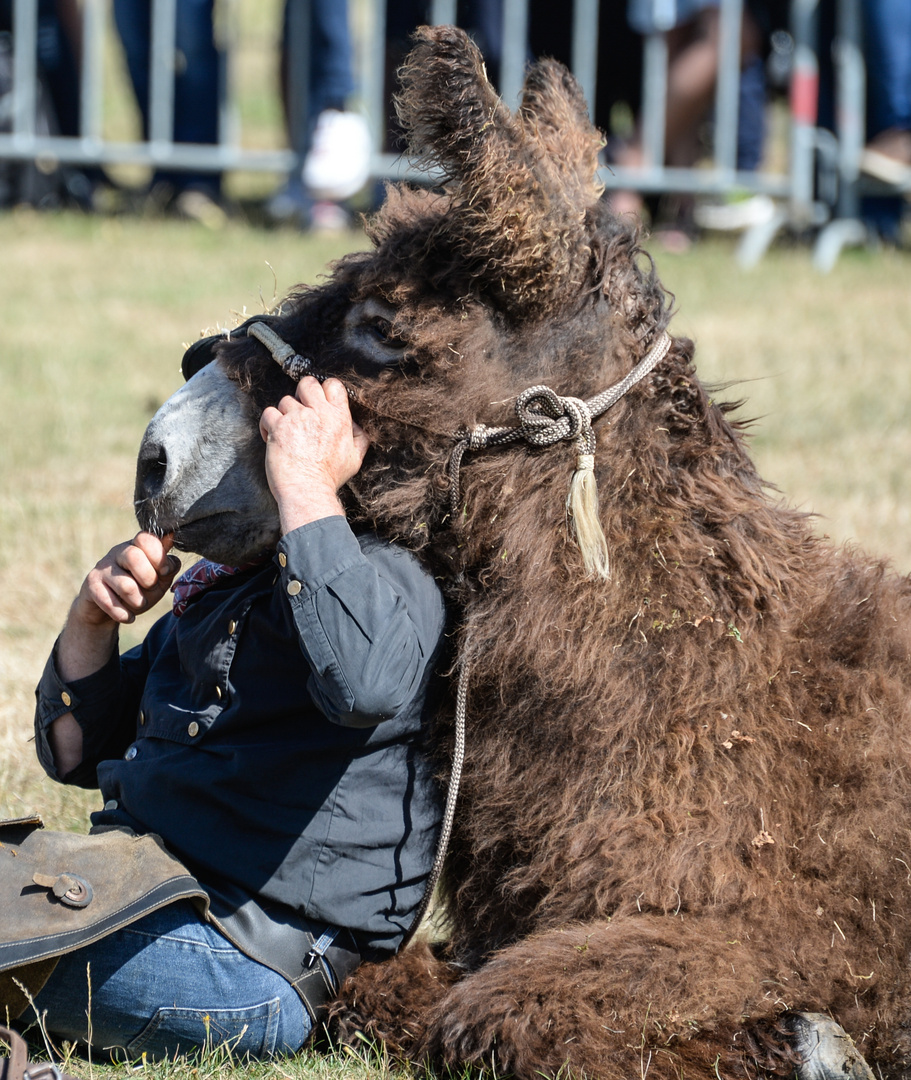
pixel 269 731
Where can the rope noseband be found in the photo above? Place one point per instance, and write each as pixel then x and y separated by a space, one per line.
pixel 292 364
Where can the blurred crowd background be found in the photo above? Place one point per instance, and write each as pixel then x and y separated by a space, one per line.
pixel 312 90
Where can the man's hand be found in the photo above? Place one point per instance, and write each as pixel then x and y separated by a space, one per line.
pixel 129 580
pixel 313 448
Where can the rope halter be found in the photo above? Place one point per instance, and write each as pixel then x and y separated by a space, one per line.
pixel 544 419
pixel 292 363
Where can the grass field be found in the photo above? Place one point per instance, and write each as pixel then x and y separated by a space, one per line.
pixel 94 315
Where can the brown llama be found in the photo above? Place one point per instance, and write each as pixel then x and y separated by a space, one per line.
pixel 684 809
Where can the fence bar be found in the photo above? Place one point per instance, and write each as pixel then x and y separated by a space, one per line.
pixel 515 50
pixel 850 86
pixel 443 12
pixel 25 64
pixel 225 30
pixel 654 100
pixel 198 157
pixel 584 60
pixel 727 95
pixel 298 50
pixel 161 73
pixel 372 51
pixel 92 74
pixel 804 104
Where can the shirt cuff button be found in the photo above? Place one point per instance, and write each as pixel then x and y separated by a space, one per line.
pixel 112 804
pixel 66 699
pixel 282 559
pixel 193 729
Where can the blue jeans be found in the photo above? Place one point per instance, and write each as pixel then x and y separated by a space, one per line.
pixel 197 82
pixel 170 983
pixel 329 53
pixel 887 24
pixel 888 55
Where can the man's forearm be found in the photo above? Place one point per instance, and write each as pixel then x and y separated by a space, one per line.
pixel 84 647
pixel 82 650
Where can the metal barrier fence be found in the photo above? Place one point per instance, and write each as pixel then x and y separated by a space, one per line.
pixel 816 189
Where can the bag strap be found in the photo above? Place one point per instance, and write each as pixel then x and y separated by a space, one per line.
pixel 18 1066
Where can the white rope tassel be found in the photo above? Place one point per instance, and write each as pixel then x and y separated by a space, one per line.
pixel 582 503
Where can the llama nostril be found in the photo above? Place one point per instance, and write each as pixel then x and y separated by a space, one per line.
pixel 151 470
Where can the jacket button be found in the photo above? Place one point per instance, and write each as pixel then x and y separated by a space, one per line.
pixel 111 804
pixel 218 692
pixel 193 729
pixel 282 559
pixel 142 717
pixel 130 754
pixel 66 699
pixel 232 626
pixel 294 587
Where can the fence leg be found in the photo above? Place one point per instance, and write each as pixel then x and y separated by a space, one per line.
pixel 848 229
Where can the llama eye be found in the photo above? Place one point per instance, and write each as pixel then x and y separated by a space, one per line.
pixel 369 334
pixel 382 330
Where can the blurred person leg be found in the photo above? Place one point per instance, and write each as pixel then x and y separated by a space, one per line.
pixel 197 83
pixel 887 25
pixel 58 56
pixel 332 141
pixel 692 74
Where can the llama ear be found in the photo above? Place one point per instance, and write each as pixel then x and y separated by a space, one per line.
pixel 447 105
pixel 517 218
pixel 554 114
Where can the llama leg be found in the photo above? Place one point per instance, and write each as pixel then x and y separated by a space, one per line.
pixel 638 996
pixel 389 1001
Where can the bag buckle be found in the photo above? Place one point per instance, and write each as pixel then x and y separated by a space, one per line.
pixel 42 1070
pixel 321 945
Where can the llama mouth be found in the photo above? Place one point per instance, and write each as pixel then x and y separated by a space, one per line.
pixel 187 533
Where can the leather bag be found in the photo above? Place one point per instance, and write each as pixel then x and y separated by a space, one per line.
pixel 60 891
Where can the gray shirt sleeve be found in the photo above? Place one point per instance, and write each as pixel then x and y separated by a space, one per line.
pixel 369 616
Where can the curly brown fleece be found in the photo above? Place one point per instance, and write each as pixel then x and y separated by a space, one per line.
pixel 686 799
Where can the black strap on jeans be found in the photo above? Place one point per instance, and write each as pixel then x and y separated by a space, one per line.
pixel 314 958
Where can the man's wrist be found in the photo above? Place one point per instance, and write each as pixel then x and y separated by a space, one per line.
pixel 297 513
pixel 316 504
pixel 85 645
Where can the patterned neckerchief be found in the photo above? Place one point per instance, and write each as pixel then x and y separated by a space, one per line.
pixel 203 574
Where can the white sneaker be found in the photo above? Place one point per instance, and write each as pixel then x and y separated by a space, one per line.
pixel 338 164
pixel 735 216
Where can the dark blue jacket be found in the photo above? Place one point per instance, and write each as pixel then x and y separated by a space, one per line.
pixel 271 735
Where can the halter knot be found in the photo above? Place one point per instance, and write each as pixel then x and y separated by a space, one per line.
pixel 545 418
pixel 476 439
